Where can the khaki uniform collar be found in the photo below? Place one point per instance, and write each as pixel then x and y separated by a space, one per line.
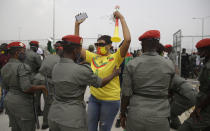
pixel 151 53
pixel 14 60
pixel 66 60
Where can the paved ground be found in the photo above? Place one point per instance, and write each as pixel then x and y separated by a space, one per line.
pixel 4 118
pixel 4 124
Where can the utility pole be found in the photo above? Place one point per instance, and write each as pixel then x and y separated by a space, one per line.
pixel 19 33
pixel 202 24
pixel 53 21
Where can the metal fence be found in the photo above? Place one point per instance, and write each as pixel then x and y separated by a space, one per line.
pixel 179 42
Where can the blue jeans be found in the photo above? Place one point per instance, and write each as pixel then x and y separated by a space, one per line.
pixel 3 94
pixel 101 113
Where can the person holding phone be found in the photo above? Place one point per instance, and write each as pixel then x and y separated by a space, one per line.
pixel 67 112
pixel 104 102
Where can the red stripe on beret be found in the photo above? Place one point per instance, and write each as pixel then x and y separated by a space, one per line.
pixel 34 42
pixel 16 44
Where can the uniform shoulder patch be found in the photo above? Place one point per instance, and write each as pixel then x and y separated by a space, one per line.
pixel 24 66
pixel 86 65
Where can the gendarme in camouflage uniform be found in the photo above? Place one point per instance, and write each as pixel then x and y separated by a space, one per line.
pixel 46 71
pixel 16 79
pixel 200 118
pixel 183 97
pixel 146 81
pixel 34 61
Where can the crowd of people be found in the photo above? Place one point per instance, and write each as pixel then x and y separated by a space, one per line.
pixel 191 64
pixel 146 86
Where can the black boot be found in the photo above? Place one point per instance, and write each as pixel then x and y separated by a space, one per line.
pixel 175 122
pixel 117 125
pixel 45 127
pixel 207 129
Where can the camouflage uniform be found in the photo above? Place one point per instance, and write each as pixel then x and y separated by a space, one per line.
pixel 46 71
pixel 146 80
pixel 183 98
pixel 67 112
pixel 34 61
pixel 190 124
pixel 172 56
pixel 16 78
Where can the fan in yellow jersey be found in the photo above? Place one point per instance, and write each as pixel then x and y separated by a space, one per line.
pixel 104 102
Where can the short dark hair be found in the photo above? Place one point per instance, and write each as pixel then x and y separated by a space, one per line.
pixel 149 45
pixel 106 38
pixel 150 42
pixel 68 48
pixel 59 42
pixel 160 48
pixel 91 48
pixel 4 46
pixel 13 50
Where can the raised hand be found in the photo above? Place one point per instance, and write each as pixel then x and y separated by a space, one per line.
pixel 196 114
pixel 44 90
pixel 80 21
pixel 118 15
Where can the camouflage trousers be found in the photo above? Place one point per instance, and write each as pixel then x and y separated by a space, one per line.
pixel 18 124
pixel 48 101
pixel 192 125
pixel 147 124
pixel 58 127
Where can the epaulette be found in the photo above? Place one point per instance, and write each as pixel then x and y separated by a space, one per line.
pixel 24 66
pixel 87 65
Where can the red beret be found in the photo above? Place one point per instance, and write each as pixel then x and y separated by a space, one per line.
pixel 150 34
pixel 16 44
pixel 73 38
pixel 34 42
pixel 203 43
pixel 168 46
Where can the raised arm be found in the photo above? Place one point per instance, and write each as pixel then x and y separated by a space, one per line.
pixel 49 47
pixel 76 32
pixel 126 34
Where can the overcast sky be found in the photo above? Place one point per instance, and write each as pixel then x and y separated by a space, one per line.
pixel 33 18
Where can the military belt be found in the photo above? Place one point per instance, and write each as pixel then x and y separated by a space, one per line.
pixel 69 100
pixel 151 96
pixel 49 76
pixel 204 90
pixel 18 92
